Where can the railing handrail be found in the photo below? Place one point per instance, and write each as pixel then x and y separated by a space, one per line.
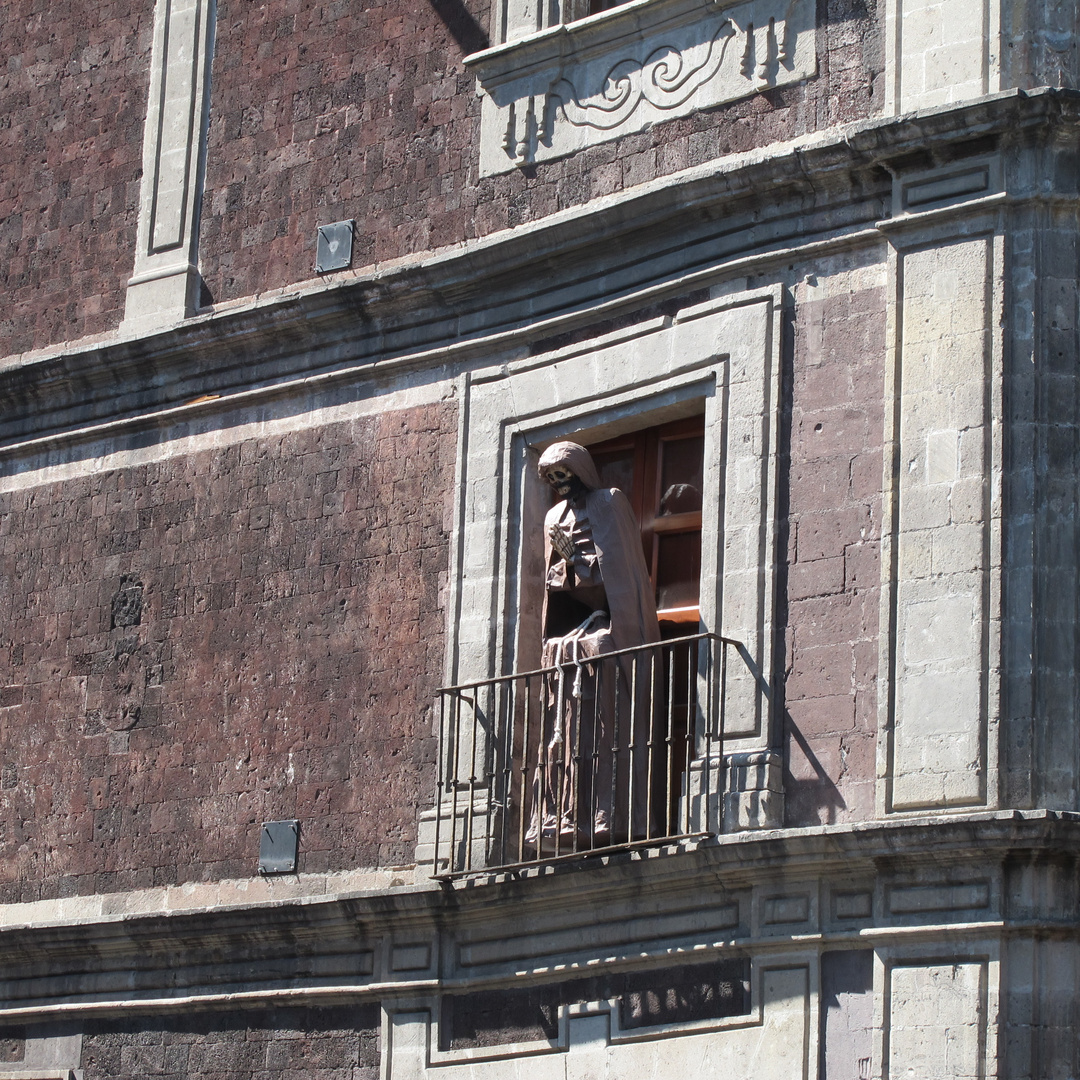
pixel 598 763
pixel 460 687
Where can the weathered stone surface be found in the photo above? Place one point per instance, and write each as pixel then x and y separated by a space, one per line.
pixel 265 1044
pixel 73 102
pixel 282 665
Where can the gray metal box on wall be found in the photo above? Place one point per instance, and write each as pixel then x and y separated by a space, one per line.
pixel 279 843
pixel 333 249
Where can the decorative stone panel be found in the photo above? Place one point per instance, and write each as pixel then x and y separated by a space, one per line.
pixel 163 288
pixel 772 1043
pixel 945 555
pixel 581 83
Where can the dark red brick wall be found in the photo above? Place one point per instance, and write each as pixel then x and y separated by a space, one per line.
pixel 365 111
pixel 72 104
pixel 192 647
pixel 273 1044
pixel 333 111
pixel 833 572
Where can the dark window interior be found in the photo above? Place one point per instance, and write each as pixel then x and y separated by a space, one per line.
pixel 695 992
pixel 661 471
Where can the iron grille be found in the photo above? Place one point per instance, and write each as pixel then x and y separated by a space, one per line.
pixel 591 755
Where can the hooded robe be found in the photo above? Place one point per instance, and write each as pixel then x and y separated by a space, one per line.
pixel 601 602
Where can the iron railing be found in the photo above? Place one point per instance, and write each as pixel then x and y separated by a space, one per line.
pixel 590 755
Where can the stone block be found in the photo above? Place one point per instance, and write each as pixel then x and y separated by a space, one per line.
pixel 754 793
pixel 822 577
pixel 936 1020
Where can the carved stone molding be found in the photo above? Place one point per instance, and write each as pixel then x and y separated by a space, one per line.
pixel 584 82
pixel 163 287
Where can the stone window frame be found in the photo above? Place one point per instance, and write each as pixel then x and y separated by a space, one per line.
pixel 780 987
pixel 725 354
pixel 18 1072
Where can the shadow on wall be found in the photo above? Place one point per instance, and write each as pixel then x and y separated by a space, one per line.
pixel 817 797
pixel 463 28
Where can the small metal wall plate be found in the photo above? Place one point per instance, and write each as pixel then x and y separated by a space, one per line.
pixel 279 842
pixel 333 249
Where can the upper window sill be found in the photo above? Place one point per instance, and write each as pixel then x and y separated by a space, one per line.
pixel 559 90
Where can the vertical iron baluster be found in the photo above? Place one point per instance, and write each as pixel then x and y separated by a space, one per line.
pixel 470 810
pixel 616 674
pixel 707 717
pixel 508 765
pixel 669 747
pixel 488 777
pixel 575 774
pixel 650 744
pixel 522 826
pixel 594 757
pixel 454 764
pixel 632 746
pixel 547 781
pixel 721 771
pixel 692 703
pixel 560 763
pixel 440 788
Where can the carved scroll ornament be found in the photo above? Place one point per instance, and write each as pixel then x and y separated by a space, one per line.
pixel 564 93
pixel 665 79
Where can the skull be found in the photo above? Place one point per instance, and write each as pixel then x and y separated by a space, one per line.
pixel 562 479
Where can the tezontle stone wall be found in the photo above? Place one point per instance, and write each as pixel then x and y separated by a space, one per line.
pixel 833 567
pixel 72 110
pixel 260 1044
pixel 195 646
pixel 317 115
pixel 340 112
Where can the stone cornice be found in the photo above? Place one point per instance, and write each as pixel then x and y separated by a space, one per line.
pixel 288 950
pixel 497 293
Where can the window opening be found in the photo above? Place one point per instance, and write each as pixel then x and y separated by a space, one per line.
pixel 568 11
pixel 686 994
pixel 639 716
pixel 661 471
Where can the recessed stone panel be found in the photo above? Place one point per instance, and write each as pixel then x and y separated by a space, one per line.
pixel 853 905
pixel 924 898
pixel 940 598
pixel 785 909
pixel 936 1022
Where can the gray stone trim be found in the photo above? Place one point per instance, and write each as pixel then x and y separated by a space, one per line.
pixel 958 877
pixel 164 285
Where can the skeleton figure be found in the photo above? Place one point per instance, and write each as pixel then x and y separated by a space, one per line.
pixel 590 785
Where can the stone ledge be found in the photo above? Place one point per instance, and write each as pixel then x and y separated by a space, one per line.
pixel 413 311
pixel 339 944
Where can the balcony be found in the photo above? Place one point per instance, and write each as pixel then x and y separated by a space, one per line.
pixel 586 757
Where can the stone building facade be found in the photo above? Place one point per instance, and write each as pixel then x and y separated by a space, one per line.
pixel 296 293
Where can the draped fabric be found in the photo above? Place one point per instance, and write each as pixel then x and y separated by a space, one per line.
pixel 616 536
pixel 589 789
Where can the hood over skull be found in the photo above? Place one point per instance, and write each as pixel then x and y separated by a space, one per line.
pixel 573 457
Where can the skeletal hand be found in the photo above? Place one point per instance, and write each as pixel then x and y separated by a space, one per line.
pixel 561 543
